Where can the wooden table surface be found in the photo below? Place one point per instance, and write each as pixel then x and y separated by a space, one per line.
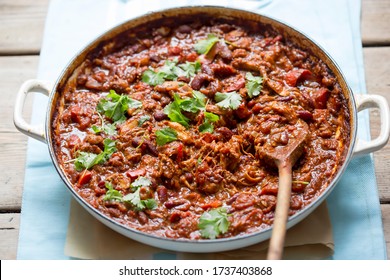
pixel 21 33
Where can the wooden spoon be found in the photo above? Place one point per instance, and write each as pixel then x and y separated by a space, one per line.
pixel 284 157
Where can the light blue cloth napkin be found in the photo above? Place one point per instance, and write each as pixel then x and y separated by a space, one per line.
pixel 71 24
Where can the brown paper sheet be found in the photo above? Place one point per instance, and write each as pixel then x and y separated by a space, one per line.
pixel 87 238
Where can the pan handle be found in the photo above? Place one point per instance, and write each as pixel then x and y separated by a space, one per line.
pixel 366 101
pixel 35 131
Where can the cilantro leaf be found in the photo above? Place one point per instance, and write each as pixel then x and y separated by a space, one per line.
pixel 109 129
pixel 114 106
pixel 165 135
pixel 207 125
pixel 153 78
pixel 214 223
pixel 112 194
pixel 140 204
pixel 88 160
pixel 169 70
pixel 205 45
pixel 253 84
pixel 143 119
pixel 192 105
pixel 198 102
pixel 174 112
pixel 135 199
pixel 200 97
pixel 188 69
pixel 188 105
pixel 141 182
pixel 211 117
pixel 228 100
pixel 84 161
pixel 109 149
pixel 150 203
pixel 132 103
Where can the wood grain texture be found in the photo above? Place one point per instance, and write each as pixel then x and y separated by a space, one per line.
pixel 22 23
pixel 377 72
pixel 375 22
pixel 14 71
pixel 9 234
pixel 21 26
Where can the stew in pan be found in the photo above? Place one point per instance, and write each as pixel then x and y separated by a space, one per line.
pixel 158 128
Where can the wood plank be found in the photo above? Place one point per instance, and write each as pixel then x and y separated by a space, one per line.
pixel 14 71
pixel 9 234
pixel 21 26
pixel 377 72
pixel 375 26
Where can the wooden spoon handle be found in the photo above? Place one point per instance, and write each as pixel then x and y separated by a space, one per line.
pixel 275 250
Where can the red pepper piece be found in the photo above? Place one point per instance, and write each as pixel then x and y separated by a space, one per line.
pixel 179 156
pixel 85 177
pixel 296 75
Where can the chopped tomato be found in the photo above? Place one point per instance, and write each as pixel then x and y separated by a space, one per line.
pixel 73 141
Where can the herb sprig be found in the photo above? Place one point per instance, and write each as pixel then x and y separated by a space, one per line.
pixel 108 128
pixel 194 105
pixel 170 71
pixel 87 160
pixel 191 105
pixel 111 193
pixel 228 100
pixel 133 198
pixel 213 223
pixel 173 111
pixel 114 106
pixel 205 45
pixel 143 119
pixel 209 119
pixel 165 135
pixel 253 84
